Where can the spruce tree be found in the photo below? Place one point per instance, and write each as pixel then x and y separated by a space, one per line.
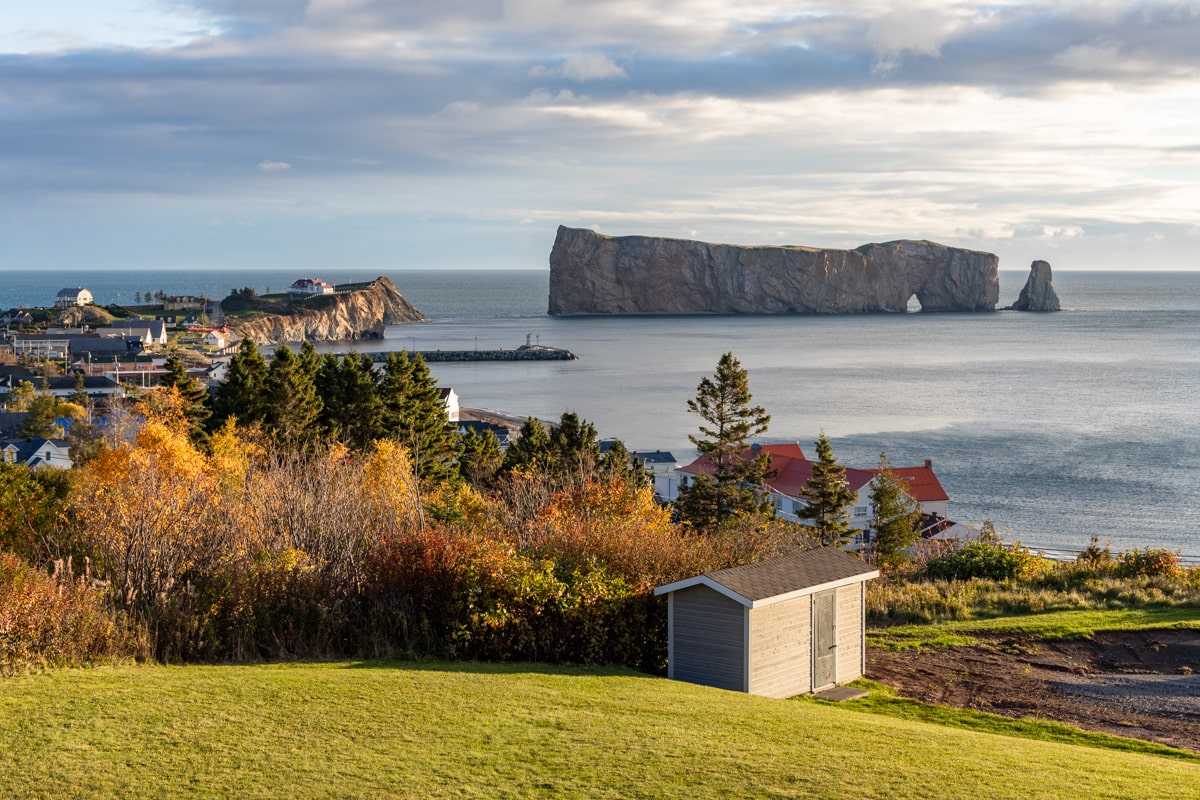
pixel 532 447
pixel 292 405
pixel 828 495
pixel 241 394
pixel 480 458
pixel 361 410
pixel 573 443
pixel 897 517
pixel 424 427
pixel 41 422
pixel 737 484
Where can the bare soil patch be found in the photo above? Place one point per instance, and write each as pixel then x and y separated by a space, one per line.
pixel 1140 684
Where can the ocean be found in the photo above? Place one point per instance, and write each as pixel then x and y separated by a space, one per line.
pixel 1056 427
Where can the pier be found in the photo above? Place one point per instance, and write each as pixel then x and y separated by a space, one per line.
pixel 526 352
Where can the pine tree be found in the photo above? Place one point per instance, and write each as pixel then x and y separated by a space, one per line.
pixel 79 395
pixel 292 405
pixel 480 458
pixel 737 485
pixel 241 394
pixel 573 443
pixel 423 426
pixel 897 515
pixel 43 411
pixel 531 447
pixel 358 414
pixel 828 495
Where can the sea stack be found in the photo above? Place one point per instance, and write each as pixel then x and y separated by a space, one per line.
pixel 595 274
pixel 1038 294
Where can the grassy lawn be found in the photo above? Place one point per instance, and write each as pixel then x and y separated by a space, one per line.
pixel 468 730
pixel 1051 625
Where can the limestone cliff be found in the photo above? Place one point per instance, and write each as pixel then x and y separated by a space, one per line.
pixel 595 274
pixel 362 313
pixel 1038 294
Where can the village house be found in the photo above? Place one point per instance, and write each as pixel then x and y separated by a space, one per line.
pixel 311 286
pixel 215 338
pixel 36 452
pixel 150 332
pixel 78 296
pixel 792 471
pixel 185 302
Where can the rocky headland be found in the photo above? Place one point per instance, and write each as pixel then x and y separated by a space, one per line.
pixel 595 274
pixel 362 313
pixel 1038 294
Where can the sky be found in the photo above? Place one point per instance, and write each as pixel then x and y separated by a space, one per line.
pixel 158 134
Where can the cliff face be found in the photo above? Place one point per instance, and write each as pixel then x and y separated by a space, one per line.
pixel 595 274
pixel 1038 294
pixel 359 314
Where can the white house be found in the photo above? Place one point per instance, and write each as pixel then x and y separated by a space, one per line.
pixel 662 466
pixel 149 332
pixel 215 339
pixel 78 296
pixel 37 453
pixel 450 398
pixel 793 470
pixel 311 286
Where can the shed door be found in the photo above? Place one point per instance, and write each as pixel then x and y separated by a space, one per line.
pixel 824 639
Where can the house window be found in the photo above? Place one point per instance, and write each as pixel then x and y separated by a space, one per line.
pixel 797 506
pixel 860 511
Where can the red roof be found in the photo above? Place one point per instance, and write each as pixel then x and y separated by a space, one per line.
pixel 793 471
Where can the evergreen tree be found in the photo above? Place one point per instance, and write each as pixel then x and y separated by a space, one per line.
pixel 573 443
pixel 737 484
pixel 43 411
pixel 241 394
pixel 480 458
pixel 194 394
pixel 310 360
pixel 357 410
pixel 531 447
pixel 415 415
pixel 897 515
pixel 79 395
pixel 292 405
pixel 828 495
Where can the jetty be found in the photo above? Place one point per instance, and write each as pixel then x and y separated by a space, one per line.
pixel 526 352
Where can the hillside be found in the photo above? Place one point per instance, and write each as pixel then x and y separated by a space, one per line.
pixel 362 313
pixel 472 730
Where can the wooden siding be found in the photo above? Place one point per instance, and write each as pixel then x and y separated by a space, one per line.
pixel 849 633
pixel 780 648
pixel 708 639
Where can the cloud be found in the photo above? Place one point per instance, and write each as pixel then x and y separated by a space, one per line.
pixel 582 67
pixel 274 166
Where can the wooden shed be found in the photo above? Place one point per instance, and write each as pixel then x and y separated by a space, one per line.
pixel 782 627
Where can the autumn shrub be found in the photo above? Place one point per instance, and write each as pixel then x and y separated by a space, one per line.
pixel 58 620
pixel 1149 562
pixel 992 561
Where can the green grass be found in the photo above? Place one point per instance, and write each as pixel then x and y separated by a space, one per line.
pixel 1051 625
pixel 884 701
pixel 466 730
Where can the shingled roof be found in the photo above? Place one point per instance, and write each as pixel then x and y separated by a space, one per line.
pixel 782 578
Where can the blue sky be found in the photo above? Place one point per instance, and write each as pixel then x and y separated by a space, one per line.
pixel 461 133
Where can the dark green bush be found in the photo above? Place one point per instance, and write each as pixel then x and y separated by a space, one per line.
pixel 986 560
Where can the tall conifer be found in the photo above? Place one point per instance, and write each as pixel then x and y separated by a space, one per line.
pixel 828 495
pixel 737 484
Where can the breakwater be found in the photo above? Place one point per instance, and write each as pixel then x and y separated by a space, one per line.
pixel 525 352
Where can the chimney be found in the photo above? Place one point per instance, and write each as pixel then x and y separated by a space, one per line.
pixel 929 463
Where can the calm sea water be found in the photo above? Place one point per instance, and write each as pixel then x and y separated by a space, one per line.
pixel 1057 427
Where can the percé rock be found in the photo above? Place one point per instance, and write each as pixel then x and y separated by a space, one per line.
pixel 358 314
pixel 595 274
pixel 1038 294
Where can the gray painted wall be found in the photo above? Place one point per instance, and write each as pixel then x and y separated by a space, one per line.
pixel 707 633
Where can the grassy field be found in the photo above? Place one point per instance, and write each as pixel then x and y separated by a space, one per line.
pixel 468 730
pixel 1051 625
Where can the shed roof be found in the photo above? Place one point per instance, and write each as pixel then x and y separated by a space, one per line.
pixel 782 578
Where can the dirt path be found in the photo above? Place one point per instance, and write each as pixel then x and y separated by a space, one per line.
pixel 1144 685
